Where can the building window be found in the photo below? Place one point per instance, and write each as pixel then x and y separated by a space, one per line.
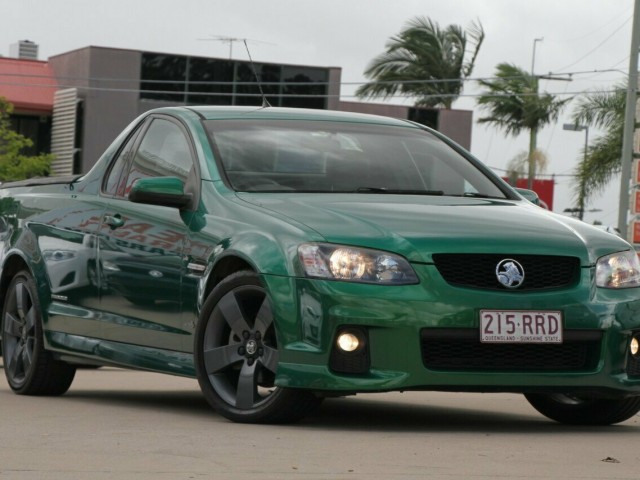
pixel 247 91
pixel 35 128
pixel 161 75
pixel 312 84
pixel 210 81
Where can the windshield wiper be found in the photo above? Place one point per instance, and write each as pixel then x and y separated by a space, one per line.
pixel 397 191
pixel 476 195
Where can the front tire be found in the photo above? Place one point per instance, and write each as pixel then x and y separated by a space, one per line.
pixel 236 356
pixel 29 368
pixel 575 410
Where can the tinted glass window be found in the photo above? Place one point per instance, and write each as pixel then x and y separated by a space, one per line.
pixel 210 81
pixel 289 156
pixel 163 152
pixel 269 76
pixel 115 180
pixel 162 75
pixel 304 87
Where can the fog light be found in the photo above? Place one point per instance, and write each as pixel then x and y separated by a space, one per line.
pixel 350 351
pixel 634 346
pixel 348 342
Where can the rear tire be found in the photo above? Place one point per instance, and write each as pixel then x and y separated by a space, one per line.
pixel 29 368
pixel 574 410
pixel 236 356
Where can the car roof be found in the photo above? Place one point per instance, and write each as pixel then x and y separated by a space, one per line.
pixel 279 113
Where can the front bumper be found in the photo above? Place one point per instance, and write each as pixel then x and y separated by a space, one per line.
pixel 402 321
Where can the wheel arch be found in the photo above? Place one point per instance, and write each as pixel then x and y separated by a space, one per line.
pixel 13 264
pixel 224 267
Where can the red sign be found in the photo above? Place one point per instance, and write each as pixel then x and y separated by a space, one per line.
pixel 544 189
pixel 636 171
pixel 634 231
pixel 635 202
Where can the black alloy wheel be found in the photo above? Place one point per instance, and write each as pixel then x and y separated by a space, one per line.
pixel 29 368
pixel 236 355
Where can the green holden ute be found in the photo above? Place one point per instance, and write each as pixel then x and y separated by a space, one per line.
pixel 282 256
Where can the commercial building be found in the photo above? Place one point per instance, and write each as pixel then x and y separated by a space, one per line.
pixel 92 93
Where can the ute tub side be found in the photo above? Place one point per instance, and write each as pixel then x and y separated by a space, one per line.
pixel 40 181
pixel 26 208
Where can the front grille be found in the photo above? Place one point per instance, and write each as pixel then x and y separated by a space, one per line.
pixel 479 270
pixel 461 349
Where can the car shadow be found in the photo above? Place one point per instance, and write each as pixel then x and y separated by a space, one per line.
pixel 392 416
pixel 357 413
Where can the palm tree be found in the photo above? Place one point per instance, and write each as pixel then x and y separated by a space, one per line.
pixel 513 103
pixel 518 166
pixel 426 62
pixel 605 110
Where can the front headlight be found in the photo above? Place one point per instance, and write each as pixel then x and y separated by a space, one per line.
pixel 338 262
pixel 618 270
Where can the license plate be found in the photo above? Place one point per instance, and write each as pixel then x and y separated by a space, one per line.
pixel 520 326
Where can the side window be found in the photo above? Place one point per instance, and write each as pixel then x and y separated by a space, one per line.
pixel 163 152
pixel 114 183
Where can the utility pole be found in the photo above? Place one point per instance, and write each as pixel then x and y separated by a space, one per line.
pixel 533 136
pixel 629 123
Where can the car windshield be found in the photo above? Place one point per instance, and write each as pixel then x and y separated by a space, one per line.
pixel 319 156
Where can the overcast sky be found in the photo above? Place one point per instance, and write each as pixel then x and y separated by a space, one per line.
pixel 580 36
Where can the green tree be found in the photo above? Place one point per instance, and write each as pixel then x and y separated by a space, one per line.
pixel 513 103
pixel 518 166
pixel 425 62
pixel 13 164
pixel 604 110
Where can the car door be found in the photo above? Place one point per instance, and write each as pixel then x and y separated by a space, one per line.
pixel 140 250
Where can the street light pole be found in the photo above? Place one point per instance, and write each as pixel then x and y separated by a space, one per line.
pixel 578 128
pixel 533 57
pixel 533 135
pixel 629 123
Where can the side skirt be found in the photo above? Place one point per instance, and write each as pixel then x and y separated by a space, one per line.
pixel 83 350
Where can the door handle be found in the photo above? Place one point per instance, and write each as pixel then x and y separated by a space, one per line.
pixel 114 221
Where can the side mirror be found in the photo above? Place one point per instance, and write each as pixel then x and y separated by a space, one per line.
pixel 529 195
pixel 165 191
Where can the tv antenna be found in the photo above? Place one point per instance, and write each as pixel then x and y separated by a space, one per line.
pixel 232 40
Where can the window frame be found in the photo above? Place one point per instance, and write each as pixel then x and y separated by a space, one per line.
pixel 191 185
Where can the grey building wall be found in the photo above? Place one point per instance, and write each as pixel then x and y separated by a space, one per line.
pixel 457 125
pixel 107 80
pixel 395 111
pixel 333 92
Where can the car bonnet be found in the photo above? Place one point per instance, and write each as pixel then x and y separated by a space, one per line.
pixel 419 226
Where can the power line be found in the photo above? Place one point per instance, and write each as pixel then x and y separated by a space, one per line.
pixel 617 30
pixel 599 28
pixel 225 82
pixel 298 95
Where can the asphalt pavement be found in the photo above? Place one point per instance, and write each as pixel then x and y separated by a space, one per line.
pixel 118 424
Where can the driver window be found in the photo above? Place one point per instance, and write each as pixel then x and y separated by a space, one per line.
pixel 164 151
